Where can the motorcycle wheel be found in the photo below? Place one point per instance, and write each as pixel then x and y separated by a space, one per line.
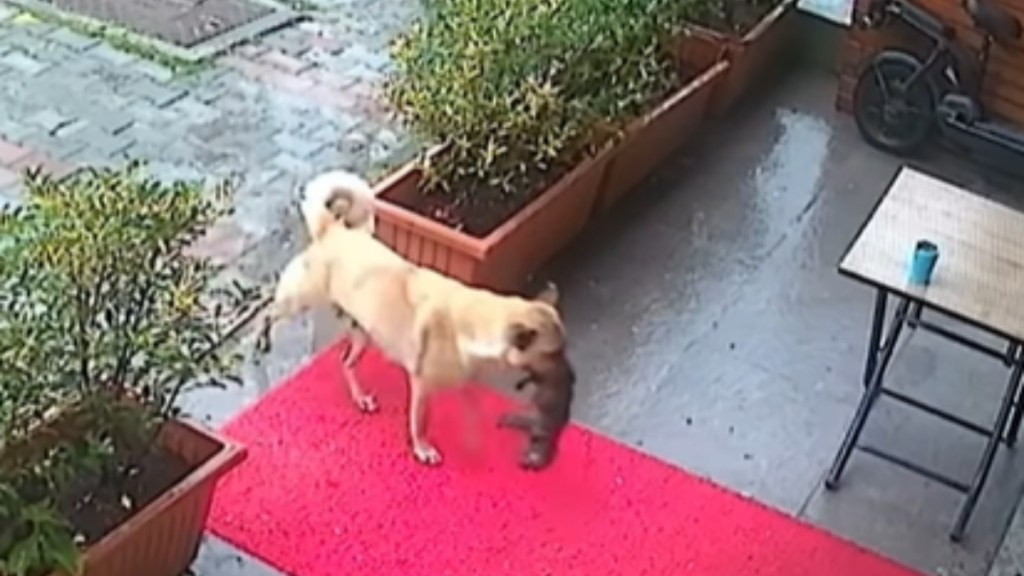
pixel 888 117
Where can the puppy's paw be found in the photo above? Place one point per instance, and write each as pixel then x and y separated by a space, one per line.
pixel 367 403
pixel 514 420
pixel 538 455
pixel 426 454
pixel 534 460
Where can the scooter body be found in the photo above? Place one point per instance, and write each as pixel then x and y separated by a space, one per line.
pixel 901 96
pixel 996 143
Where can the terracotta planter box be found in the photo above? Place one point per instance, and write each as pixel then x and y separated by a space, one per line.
pixel 753 55
pixel 503 259
pixel 162 539
pixel 651 139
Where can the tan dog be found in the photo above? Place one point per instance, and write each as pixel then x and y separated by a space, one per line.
pixel 440 331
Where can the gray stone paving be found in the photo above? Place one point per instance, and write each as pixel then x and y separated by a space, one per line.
pixel 297 101
pixel 272 113
pixel 1010 559
pixel 217 558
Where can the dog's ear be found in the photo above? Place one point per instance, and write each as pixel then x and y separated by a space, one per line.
pixel 549 295
pixel 521 336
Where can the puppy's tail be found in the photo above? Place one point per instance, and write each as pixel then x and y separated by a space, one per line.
pixel 337 196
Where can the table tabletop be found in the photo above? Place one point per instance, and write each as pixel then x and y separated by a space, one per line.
pixel 979 276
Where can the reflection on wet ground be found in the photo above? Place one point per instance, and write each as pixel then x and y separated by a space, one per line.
pixel 710 329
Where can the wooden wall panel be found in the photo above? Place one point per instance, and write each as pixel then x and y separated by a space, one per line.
pixel 1004 81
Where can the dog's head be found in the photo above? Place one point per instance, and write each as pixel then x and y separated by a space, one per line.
pixel 535 333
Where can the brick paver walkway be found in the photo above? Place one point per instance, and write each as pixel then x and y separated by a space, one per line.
pixel 271 113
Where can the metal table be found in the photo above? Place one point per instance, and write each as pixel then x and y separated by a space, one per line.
pixel 979 281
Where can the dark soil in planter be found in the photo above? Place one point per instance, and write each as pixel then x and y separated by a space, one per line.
pixel 478 209
pixel 736 16
pixel 95 505
pixel 96 502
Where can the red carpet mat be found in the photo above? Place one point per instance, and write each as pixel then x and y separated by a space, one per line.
pixel 327 491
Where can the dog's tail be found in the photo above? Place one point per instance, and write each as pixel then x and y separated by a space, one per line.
pixel 337 196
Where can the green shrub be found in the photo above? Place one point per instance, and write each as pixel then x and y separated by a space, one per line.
pixel 101 303
pixel 519 88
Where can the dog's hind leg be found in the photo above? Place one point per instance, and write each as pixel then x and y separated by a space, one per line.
pixel 349 357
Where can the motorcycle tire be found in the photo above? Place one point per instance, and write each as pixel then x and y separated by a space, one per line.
pixel 904 130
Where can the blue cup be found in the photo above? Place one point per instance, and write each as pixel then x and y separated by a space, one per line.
pixel 926 254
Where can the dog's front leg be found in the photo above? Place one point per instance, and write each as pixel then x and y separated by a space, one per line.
pixel 424 452
pixel 279 310
pixel 357 345
pixel 294 294
pixel 262 343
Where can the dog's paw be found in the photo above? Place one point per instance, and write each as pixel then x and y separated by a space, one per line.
pixel 367 404
pixel 262 344
pixel 426 454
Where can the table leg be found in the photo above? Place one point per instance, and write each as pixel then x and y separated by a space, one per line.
pixel 875 338
pixel 985 466
pixel 1013 434
pixel 915 315
pixel 870 396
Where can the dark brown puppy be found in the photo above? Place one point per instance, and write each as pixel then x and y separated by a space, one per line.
pixel 551 397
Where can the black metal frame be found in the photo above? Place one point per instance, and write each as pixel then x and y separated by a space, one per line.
pixel 880 353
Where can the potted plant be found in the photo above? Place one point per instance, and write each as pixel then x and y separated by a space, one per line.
pixel 525 99
pixel 672 118
pixel 105 319
pixel 754 35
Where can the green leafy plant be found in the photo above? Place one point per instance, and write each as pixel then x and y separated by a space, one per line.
pixel 33 536
pixel 106 317
pixel 519 89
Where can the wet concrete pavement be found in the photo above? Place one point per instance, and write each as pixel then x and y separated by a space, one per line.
pixel 711 329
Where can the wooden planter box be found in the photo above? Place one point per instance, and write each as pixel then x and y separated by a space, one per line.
pixel 163 538
pixel 651 139
pixel 503 259
pixel 752 56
